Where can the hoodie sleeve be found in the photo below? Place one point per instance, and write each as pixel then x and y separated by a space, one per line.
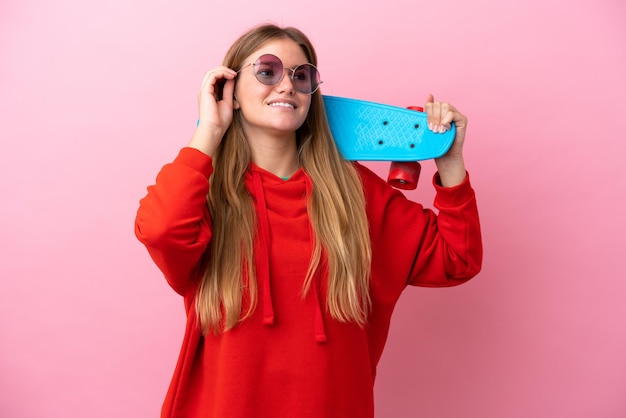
pixel 173 220
pixel 413 245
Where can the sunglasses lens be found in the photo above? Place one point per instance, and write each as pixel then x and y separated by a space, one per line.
pixel 306 78
pixel 268 69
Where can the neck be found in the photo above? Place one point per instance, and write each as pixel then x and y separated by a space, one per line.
pixel 278 155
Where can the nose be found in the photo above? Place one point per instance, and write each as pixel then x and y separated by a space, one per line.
pixel 286 83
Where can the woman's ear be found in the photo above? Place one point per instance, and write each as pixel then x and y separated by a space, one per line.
pixel 236 103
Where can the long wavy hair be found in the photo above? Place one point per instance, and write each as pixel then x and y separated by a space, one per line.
pixel 336 208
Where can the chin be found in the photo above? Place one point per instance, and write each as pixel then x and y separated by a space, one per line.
pixel 288 126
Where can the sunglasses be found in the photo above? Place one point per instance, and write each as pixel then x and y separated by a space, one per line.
pixel 269 70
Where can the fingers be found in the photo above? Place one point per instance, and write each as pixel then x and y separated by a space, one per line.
pixel 441 115
pixel 212 76
pixel 215 99
pixel 228 90
pixel 214 80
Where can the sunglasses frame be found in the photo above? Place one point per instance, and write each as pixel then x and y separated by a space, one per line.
pixel 293 72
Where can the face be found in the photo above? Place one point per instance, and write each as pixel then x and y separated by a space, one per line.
pixel 276 110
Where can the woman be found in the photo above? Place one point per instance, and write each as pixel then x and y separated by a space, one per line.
pixel 289 258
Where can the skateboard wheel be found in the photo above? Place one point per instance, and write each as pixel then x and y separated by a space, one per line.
pixel 418 108
pixel 404 175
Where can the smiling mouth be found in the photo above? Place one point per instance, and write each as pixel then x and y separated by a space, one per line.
pixel 283 104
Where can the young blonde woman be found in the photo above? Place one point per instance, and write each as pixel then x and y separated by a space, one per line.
pixel 290 259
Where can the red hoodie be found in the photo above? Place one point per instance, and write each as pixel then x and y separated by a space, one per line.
pixel 291 358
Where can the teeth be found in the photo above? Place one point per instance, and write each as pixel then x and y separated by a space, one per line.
pixel 282 104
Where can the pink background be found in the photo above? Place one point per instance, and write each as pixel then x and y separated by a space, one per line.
pixel 95 96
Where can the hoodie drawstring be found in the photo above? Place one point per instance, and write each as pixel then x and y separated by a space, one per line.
pixel 263 262
pixel 320 329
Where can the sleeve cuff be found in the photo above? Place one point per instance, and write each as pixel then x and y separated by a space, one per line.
pixel 195 159
pixel 453 196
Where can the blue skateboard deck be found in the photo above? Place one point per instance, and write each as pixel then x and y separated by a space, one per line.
pixel 368 131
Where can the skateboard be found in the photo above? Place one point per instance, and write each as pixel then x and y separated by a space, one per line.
pixel 369 131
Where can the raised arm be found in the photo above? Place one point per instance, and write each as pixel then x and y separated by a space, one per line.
pixel 451 166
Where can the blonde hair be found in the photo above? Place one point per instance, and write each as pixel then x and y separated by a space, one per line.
pixel 336 210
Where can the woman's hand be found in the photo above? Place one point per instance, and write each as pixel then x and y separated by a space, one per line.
pixel 215 109
pixel 441 115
